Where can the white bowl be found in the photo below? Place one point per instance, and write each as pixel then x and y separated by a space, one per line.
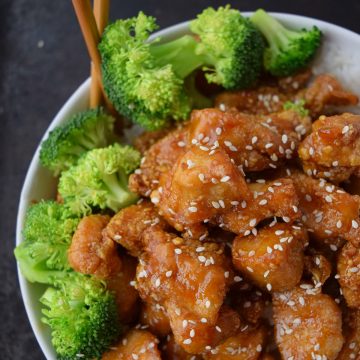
pixel 339 53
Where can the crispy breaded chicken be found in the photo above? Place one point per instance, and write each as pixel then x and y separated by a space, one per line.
pixel 332 150
pixel 307 324
pixel 157 160
pixel 201 185
pixel 127 226
pixel 348 267
pixel 254 142
pixel 328 211
pixel 189 279
pixel 273 258
pixel 136 344
pixel 90 252
pixel 268 199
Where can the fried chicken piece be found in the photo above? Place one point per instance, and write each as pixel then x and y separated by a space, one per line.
pixel 307 324
pixel 136 344
pixel 268 199
pixel 200 185
pixel 348 266
pixel 264 99
pixel 245 345
pixel 328 211
pixel 326 91
pixel 323 92
pixel 273 258
pixel 127 226
pixel 126 296
pixel 173 351
pixel 189 279
pixel 318 267
pixel 158 159
pixel 351 348
pixel 144 141
pixel 254 142
pixel 154 315
pixel 90 252
pixel 332 150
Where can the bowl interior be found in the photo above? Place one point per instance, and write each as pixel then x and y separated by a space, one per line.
pixel 339 52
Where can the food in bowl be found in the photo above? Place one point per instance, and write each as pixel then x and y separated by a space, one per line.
pixel 184 251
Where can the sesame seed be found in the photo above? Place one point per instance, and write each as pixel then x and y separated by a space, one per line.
pixel 308 197
pixel 251 253
pixel 274 157
pixel 269 250
pixel 266 273
pixel 354 224
pixel 187 341
pixel 252 222
pixel 301 301
pixel 268 145
pixel 259 348
pixel 201 177
pixel 284 138
pixel 248 147
pixel 279 232
pixel 225 179
pixel 286 219
pixel 215 204
pixel 333 247
pixel 218 131
pixel 254 139
pixel 226 274
pixel 202 258
pixel 204 148
pixel 190 164
pixel 168 273
pixel 200 249
pixel 157 282
pixel 207 304
pixel 222 204
pixel 203 320
pixel 328 198
pixel 249 269
pixel 181 144
pixel 234 203
pixel 263 202
pixel 134 356
pixel 155 200
pixel 192 333
pixel 117 237
pixel 243 204
pixel 185 323
pixel 218 329
pixel 339 224
pixel 228 143
pixel 193 209
pixel 269 287
pixel 237 278
pixel 345 129
pixel 354 270
pixel 311 151
pixel 277 183
pixel 178 251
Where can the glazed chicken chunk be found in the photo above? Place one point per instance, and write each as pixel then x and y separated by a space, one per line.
pixel 308 324
pixel 349 271
pixel 158 159
pixel 127 226
pixel 189 279
pixel 136 344
pixel 201 185
pixel 90 252
pixel 254 142
pixel 273 258
pixel 332 150
pixel 328 211
pixel 267 200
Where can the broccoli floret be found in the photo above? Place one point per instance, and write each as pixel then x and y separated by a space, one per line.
pixel 84 131
pixel 48 230
pixel 298 106
pixel 100 180
pixel 82 315
pixel 145 81
pixel 288 50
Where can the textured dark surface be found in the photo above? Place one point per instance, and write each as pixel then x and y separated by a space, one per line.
pixel 36 80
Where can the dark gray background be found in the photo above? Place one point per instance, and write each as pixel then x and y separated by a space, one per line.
pixel 35 82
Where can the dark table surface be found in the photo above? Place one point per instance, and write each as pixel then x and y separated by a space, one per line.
pixel 42 61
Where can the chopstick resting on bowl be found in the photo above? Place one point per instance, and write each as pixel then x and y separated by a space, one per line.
pixel 91 36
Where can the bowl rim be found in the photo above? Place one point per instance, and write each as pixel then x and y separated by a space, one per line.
pixel 82 92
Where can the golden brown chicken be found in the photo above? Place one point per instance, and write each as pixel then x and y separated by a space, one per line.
pixel 348 267
pixel 189 279
pixel 157 160
pixel 254 142
pixel 91 253
pixel 267 200
pixel 332 150
pixel 127 226
pixel 328 211
pixel 308 324
pixel 135 345
pixel 273 258
pixel 201 185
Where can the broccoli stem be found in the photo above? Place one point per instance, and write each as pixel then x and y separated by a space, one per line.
pixel 117 186
pixel 276 34
pixel 180 53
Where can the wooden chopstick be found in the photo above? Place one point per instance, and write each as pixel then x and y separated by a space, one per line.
pixel 91 36
pixel 101 13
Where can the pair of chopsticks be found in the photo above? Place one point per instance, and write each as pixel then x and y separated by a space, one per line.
pixel 92 23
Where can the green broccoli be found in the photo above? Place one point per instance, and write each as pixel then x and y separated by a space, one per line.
pixel 298 106
pixel 288 50
pixel 145 81
pixel 84 131
pixel 100 180
pixel 48 230
pixel 82 315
